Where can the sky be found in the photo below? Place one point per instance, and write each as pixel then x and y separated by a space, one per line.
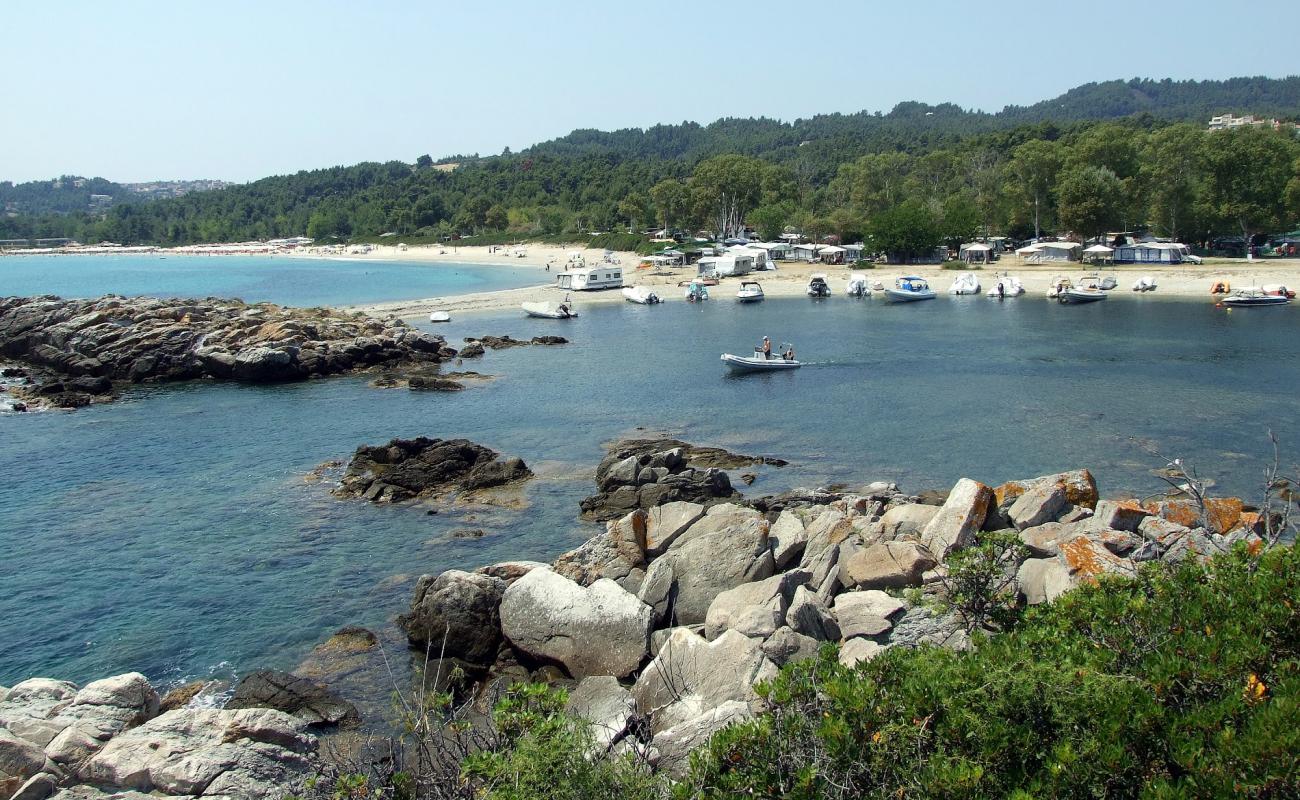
pixel 237 90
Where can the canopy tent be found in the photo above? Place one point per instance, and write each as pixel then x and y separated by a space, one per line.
pixel 1029 250
pixel 972 252
pixel 1099 248
pixel 1099 253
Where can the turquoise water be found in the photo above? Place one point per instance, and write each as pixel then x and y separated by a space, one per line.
pixel 255 279
pixel 173 531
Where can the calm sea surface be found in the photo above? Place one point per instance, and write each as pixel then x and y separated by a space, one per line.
pixel 255 279
pixel 174 532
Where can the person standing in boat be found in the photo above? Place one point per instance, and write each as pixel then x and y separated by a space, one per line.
pixel 767 349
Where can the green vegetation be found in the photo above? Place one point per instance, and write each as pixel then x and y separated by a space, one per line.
pixel 1101 157
pixel 1182 683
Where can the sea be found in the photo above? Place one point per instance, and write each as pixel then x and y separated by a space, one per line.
pixel 183 531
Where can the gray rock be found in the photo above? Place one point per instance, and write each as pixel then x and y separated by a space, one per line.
pixel 37 787
pixel 1045 501
pixel 264 365
pixel 603 703
pixel 667 522
pixel 674 745
pixel 954 526
pixel 259 754
pixel 595 630
pixel 1042 580
pixel 867 613
pixel 788 538
pixel 857 651
pixel 828 529
pixel 751 607
pixel 292 694
pixel 696 675
pixel 731 550
pixel 1114 515
pixel 785 646
pixel 657 590
pixel 98 712
pixel 456 615
pixel 19 759
pixel 906 520
pixel 809 616
pixel 887 565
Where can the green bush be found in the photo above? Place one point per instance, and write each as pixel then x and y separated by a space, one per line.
pixel 629 242
pixel 1184 682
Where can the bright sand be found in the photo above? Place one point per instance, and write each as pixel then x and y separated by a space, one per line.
pixel 790 279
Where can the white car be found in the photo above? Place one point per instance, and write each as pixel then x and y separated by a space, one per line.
pixel 1190 258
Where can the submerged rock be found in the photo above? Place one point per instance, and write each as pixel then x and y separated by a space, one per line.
pixel 293 694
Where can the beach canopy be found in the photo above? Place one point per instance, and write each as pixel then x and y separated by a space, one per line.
pixel 1059 245
pixel 1024 251
pixel 830 248
pixel 977 247
pixel 1099 248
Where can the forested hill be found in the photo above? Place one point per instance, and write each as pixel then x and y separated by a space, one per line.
pixel 830 173
pixel 912 126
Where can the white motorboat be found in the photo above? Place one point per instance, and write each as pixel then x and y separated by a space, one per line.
pixel 966 283
pixel 1006 286
pixel 1144 284
pixel 858 286
pixel 1254 296
pixel 908 289
pixel 640 295
pixel 757 363
pixel 696 292
pixel 439 316
pixel 818 287
pixel 563 310
pixel 750 292
pixel 1088 290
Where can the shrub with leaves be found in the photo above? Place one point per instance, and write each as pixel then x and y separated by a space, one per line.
pixel 1183 682
pixel 980 580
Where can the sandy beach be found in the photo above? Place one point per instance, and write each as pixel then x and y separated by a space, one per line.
pixel 790 278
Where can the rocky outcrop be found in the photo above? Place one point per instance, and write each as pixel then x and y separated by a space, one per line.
pixel 645 473
pixel 107 740
pixel 117 339
pixel 405 469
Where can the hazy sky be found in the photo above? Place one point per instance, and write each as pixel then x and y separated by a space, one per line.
pixel 238 89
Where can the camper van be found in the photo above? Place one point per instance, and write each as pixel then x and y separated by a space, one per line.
pixel 601 276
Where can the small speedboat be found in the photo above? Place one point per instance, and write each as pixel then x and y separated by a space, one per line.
pixel 966 283
pixel 640 295
pixel 757 363
pixel 750 292
pixel 696 292
pixel 563 310
pixel 857 286
pixel 439 316
pixel 1144 284
pixel 1107 283
pixel 908 289
pixel 1088 291
pixel 1006 286
pixel 1254 296
pixel 818 287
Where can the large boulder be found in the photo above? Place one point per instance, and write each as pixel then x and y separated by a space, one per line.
pixel 253 753
pixel 908 519
pixel 786 646
pixel 20 760
pixel 1045 501
pixel 674 746
pixel 1042 580
pixel 866 614
pixel 406 468
pixel 613 554
pixel 594 630
pixel 292 694
pixel 98 712
pixel 857 651
pixel 962 515
pixel 809 616
pixel 696 675
pixel 668 521
pixel 789 538
pixel 887 565
pixel 717 553
pixel 265 365
pixel 456 615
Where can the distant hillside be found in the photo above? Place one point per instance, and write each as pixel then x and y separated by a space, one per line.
pixel 815 174
pixel 71 194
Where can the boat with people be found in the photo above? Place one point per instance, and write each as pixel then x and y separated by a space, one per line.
pixel 564 310
pixel 1253 296
pixel 749 292
pixel 439 316
pixel 909 288
pixel 763 360
pixel 817 286
pixel 1006 286
pixel 640 295
pixel 696 292
pixel 858 286
pixel 966 283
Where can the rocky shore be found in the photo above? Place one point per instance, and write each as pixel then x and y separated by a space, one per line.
pixel 663 624
pixel 75 352
pixel 660 626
